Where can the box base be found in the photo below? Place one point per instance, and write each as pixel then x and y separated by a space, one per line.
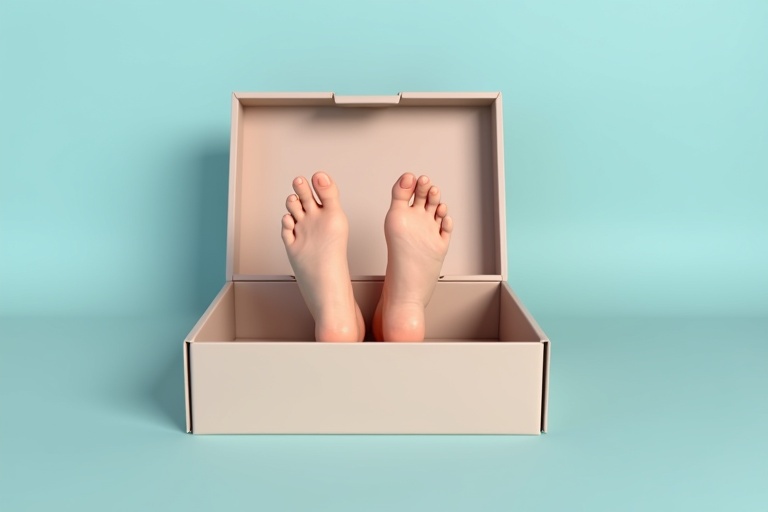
pixel 252 367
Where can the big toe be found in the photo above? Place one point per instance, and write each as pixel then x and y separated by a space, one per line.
pixel 402 191
pixel 326 189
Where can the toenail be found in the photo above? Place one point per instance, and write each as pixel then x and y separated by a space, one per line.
pixel 293 197
pixel 406 181
pixel 299 181
pixel 433 191
pixel 323 180
pixel 423 180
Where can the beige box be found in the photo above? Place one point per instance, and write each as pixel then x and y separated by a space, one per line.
pixel 251 365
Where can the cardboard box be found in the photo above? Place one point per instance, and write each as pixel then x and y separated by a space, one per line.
pixel 251 365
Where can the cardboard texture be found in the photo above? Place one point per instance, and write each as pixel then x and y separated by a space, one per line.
pixel 251 365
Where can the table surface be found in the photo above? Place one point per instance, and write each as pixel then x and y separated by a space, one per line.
pixel 645 414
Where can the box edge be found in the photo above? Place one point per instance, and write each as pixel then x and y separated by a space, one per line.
pixel 234 157
pixel 501 208
pixel 187 387
pixel 545 387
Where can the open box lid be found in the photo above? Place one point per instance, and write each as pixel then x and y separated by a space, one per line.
pixel 365 143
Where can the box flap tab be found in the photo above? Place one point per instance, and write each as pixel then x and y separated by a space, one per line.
pixel 366 101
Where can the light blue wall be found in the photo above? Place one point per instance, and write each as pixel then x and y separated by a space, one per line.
pixel 636 141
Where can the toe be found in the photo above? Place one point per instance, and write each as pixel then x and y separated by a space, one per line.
pixel 422 189
pixel 433 199
pixel 441 212
pixel 301 186
pixel 446 228
pixel 326 189
pixel 287 232
pixel 294 207
pixel 403 190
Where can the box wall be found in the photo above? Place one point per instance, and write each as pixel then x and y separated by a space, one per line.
pixel 275 310
pixel 448 388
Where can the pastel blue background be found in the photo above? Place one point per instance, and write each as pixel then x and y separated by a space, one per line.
pixel 637 161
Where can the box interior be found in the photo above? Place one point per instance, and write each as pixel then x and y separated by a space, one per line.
pixel 365 149
pixel 275 311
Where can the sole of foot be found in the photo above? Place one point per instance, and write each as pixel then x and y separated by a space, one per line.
pixel 315 235
pixel 418 234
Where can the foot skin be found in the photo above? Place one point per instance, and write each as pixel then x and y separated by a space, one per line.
pixel 417 242
pixel 315 237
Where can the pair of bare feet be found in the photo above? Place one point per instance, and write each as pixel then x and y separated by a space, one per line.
pixel 316 235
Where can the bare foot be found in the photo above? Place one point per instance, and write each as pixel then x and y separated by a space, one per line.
pixel 315 238
pixel 417 241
